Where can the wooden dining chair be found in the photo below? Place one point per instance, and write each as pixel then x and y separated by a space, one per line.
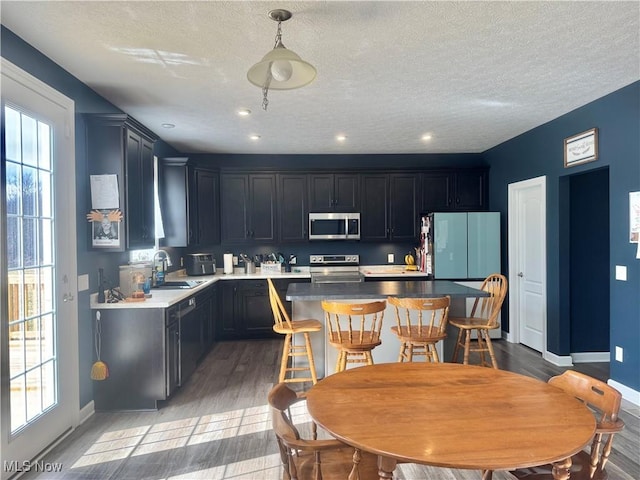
pixel 484 317
pixel 604 401
pixel 354 329
pixel 314 459
pixel 285 326
pixel 420 324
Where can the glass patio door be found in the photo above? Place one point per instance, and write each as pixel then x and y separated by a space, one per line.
pixel 38 341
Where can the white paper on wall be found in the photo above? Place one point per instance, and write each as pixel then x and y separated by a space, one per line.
pixel 104 192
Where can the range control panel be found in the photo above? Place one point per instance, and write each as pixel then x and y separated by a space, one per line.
pixel 334 259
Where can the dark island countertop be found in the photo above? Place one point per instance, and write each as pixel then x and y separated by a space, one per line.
pixel 372 290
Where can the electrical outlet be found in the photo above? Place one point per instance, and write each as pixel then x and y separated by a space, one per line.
pixel 621 273
pixel 390 258
pixel 619 354
pixel 83 282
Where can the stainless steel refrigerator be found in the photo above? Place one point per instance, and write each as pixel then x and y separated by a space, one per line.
pixel 461 245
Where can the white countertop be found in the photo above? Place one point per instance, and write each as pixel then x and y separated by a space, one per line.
pixel 163 298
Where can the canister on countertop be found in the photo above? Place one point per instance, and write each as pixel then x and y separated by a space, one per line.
pixel 228 263
pixel 133 276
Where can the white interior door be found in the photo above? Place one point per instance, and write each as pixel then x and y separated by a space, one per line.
pixel 38 335
pixel 527 263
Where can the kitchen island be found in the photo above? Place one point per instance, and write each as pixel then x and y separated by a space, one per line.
pixel 306 298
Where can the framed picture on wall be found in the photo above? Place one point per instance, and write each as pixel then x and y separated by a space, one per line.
pixel 581 148
pixel 105 228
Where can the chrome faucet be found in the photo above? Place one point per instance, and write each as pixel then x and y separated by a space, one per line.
pixel 164 262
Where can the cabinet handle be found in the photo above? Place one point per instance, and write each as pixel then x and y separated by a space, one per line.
pixel 458 201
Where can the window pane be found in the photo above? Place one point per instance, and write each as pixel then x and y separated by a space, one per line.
pixel 15 294
pixel 13 188
pixel 46 239
pixel 30 242
pixel 44 146
pixel 16 349
pixel 34 393
pixel 31 293
pixel 12 133
pixel 17 399
pixel 29 191
pixel 46 289
pixel 14 241
pixel 47 337
pixel 48 384
pixel 44 185
pixel 29 141
pixel 32 342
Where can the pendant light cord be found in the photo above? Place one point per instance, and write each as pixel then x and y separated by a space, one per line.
pixel 265 88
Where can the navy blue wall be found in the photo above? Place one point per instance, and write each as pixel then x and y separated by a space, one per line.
pixel 589 261
pixel 540 152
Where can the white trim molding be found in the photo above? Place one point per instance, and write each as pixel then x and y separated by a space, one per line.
pixel 558 360
pixel 86 412
pixel 628 393
pixel 585 357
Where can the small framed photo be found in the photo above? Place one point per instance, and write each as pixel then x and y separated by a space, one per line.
pixel 105 228
pixel 581 148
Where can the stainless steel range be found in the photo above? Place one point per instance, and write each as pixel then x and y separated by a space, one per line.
pixel 335 268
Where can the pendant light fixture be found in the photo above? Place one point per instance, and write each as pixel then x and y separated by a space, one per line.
pixel 280 69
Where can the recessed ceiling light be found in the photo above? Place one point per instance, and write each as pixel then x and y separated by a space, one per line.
pixel 244 112
pixel 426 137
pixel 341 138
pixel 168 125
pixel 254 137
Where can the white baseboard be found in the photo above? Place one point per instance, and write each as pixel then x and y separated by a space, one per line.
pixel 628 393
pixel 585 357
pixel 508 336
pixel 86 412
pixel 558 360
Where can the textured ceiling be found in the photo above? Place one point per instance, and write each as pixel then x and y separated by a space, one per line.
pixel 472 74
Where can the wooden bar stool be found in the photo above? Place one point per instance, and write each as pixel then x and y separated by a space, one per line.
pixel 484 317
pixel 285 326
pixel 354 329
pixel 421 323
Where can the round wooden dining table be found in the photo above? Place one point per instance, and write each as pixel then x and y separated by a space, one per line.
pixel 452 415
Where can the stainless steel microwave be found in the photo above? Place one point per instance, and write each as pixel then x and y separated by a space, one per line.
pixel 334 226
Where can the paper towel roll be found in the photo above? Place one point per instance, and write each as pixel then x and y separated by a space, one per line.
pixel 228 263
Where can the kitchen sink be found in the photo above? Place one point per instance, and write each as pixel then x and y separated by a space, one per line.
pixel 180 284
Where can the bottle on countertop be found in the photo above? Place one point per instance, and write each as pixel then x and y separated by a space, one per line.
pixel 101 298
pixel 159 275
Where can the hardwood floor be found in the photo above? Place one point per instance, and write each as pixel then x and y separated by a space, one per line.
pixel 217 426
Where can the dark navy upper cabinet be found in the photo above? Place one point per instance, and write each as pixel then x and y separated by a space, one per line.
pixel 390 206
pixel 460 189
pixel 248 203
pixel 118 144
pixel 293 209
pixel 190 203
pixel 329 192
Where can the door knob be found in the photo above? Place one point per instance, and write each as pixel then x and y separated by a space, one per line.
pixel 521 274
